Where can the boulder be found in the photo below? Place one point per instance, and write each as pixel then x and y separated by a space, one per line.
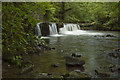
pixel 109 35
pixel 76 55
pixel 74 62
pixel 77 70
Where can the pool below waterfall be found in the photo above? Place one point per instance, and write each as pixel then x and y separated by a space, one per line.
pixel 93 47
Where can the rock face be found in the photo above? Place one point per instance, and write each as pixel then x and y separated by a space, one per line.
pixel 59 25
pixel 74 61
pixel 44 29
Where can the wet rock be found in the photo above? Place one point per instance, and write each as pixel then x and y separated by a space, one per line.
pixel 114 54
pixel 95 36
pixel 45 75
pixel 76 55
pixel 59 25
pixel 114 68
pixel 73 62
pixel 111 66
pixel 55 65
pixel 109 35
pixel 27 69
pixel 74 74
pixel 102 74
pixel 44 29
pixel 53 48
pixel 77 70
pixel 118 49
pixel 50 73
pixel 50 48
pixel 42 75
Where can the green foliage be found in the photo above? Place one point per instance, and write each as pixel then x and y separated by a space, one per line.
pixel 16 25
pixel 17 60
pixel 20 18
pixel 47 9
pixel 104 15
pixel 18 22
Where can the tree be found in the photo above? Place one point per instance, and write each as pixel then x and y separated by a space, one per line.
pixel 18 22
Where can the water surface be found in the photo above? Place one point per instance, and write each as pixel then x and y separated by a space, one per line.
pixel 93 49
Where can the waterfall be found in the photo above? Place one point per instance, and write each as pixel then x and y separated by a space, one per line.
pixel 71 27
pixel 42 30
pixel 68 28
pixel 78 27
pixel 45 29
pixel 53 29
pixel 38 30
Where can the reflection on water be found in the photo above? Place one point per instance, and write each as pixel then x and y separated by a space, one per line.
pixel 93 49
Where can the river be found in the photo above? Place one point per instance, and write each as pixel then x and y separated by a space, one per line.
pixel 93 47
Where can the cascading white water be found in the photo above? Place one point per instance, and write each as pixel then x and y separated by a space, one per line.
pixel 53 29
pixel 74 29
pixel 38 29
pixel 78 27
pixel 69 28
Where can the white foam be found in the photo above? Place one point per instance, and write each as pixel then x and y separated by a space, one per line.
pixel 45 37
pixel 57 35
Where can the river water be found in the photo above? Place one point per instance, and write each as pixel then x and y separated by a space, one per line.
pixel 90 44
